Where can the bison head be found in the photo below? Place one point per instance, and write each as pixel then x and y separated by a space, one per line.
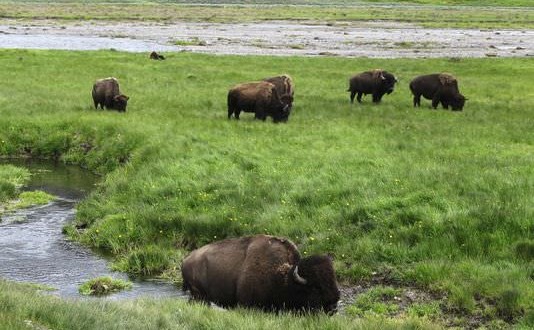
pixel 286 103
pixel 120 102
pixel 314 285
pixel 458 102
pixel 387 81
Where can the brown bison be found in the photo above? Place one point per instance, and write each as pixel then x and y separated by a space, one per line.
pixel 376 82
pixel 106 94
pixel 438 87
pixel 260 271
pixel 156 56
pixel 261 98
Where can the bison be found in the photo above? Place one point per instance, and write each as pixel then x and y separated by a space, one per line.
pixel 106 94
pixel 261 98
pixel 440 88
pixel 376 82
pixel 263 272
pixel 155 56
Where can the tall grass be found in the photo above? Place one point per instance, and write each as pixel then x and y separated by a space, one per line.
pixel 439 199
pixel 22 308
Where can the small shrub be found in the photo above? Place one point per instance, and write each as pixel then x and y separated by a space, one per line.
pixel 103 286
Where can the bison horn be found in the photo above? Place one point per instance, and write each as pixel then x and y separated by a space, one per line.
pixel 298 278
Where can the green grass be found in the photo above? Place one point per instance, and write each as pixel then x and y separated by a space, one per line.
pixel 438 199
pixel 11 180
pixel 21 307
pixel 103 286
pixel 525 3
pixel 429 16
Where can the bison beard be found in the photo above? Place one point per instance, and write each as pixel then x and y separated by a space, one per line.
pixel 260 271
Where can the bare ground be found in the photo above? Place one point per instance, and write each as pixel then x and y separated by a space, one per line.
pixel 355 39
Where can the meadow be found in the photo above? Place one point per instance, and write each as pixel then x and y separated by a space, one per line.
pixel 480 17
pixel 401 197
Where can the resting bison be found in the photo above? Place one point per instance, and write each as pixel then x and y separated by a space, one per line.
pixel 106 93
pixel 438 87
pixel 261 98
pixel 283 84
pixel 376 82
pixel 156 56
pixel 263 272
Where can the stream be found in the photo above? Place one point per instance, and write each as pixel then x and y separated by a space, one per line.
pixel 34 249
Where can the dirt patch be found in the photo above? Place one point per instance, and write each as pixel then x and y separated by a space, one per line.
pixel 384 295
pixel 355 39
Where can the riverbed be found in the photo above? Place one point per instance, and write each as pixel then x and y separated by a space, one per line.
pixel 373 39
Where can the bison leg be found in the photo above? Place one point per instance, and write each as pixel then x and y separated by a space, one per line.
pixel 377 98
pixel 236 114
pixel 352 94
pixel 436 99
pixel 359 97
pixel 416 100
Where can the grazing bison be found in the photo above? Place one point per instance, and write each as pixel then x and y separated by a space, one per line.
pixel 438 87
pixel 156 56
pixel 261 98
pixel 283 84
pixel 263 272
pixel 376 82
pixel 106 93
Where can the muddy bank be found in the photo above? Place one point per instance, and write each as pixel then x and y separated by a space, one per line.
pixel 357 39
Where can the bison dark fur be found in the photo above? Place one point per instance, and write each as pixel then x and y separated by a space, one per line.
pixel 440 88
pixel 106 93
pixel 284 85
pixel 260 271
pixel 376 82
pixel 155 56
pixel 261 98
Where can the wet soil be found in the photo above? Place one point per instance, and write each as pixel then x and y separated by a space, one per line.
pixel 353 39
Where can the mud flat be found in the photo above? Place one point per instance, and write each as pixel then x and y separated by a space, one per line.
pixel 281 38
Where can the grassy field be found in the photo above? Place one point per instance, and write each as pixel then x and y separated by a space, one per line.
pixel 503 3
pixel 433 199
pixel 428 16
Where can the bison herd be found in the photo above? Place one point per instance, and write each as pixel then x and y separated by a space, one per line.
pixel 264 271
pixel 273 97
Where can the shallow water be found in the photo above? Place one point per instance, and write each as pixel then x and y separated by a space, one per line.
pixel 33 248
pixel 282 38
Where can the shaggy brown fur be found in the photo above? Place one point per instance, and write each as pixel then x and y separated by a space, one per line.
pixel 446 78
pixel 260 97
pixel 106 93
pixel 377 73
pixel 259 271
pixel 376 82
pixel 283 83
pixel 438 87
